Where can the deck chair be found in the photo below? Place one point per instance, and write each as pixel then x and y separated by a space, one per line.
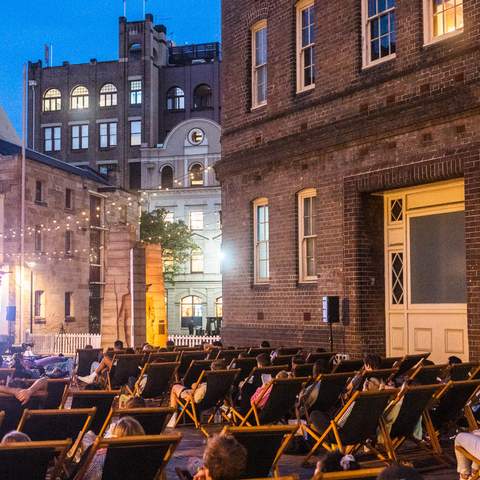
pixel 464 371
pixel 84 359
pixel 56 389
pixel 355 424
pixel 186 359
pixel 44 425
pixel 348 366
pixel 413 401
pixel 31 460
pixel 132 458
pixel 281 401
pixel 254 351
pixel 246 365
pixel 389 362
pixel 212 353
pixel 283 360
pixel 219 384
pixel 288 350
pixel 325 358
pixel 410 362
pixel 152 419
pixel 163 357
pixel 159 378
pixel 229 355
pixel 124 367
pixel 264 445
pixel 362 473
pixel 304 370
pixel 5 375
pixel 428 374
pixel 13 410
pixel 194 371
pixel 100 399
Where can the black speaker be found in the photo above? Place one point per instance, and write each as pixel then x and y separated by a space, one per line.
pixel 11 314
pixel 331 309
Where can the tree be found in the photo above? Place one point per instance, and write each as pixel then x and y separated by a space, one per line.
pixel 175 238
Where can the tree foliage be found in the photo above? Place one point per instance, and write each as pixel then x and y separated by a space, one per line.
pixel 175 238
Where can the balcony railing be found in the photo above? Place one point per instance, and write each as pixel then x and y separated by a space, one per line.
pixel 187 54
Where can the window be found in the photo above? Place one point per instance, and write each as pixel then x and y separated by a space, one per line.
pixel 167 177
pixel 39 304
pixel 79 137
pixel 261 240
pixel 202 97
pixel 79 98
pixel 196 261
pixel 169 217
pixel 136 92
pixel 52 139
pixel 135 50
pixel 379 31
pixel 443 18
pixel 68 198
pixel 196 175
pixel 259 64
pixel 52 100
pixel 38 191
pixel 69 313
pixel 38 240
pixel 219 307
pixel 168 263
pixel 108 95
pixel 305 45
pixel 135 133
pixel 107 169
pixel 68 242
pixel 196 220
pixel 175 99
pixel 191 311
pixel 307 237
pixel 108 134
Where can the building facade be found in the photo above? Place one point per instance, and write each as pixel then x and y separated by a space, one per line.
pixel 179 177
pixel 351 168
pixel 101 114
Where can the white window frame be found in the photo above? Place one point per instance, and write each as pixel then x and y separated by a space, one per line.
pixel 300 7
pixel 428 37
pixel 135 136
pixel 136 87
pixel 52 139
pixel 197 224
pixel 108 132
pixel 261 25
pixel 258 280
pixel 80 134
pixel 303 276
pixel 197 261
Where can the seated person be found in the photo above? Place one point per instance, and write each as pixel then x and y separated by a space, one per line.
pixel 469 441
pixel 105 365
pixel 262 394
pixel 15 437
pixel 361 381
pixel 309 395
pixel 19 390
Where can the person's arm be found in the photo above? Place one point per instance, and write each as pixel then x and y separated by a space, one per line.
pixel 24 395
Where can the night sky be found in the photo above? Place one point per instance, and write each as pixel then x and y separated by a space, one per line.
pixel 83 29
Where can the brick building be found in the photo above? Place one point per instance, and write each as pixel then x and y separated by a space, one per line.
pixel 101 114
pixel 351 167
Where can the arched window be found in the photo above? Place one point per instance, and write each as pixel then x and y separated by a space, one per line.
pixel 108 95
pixel 79 98
pixel 196 175
pixel 175 99
pixel 52 100
pixel 196 261
pixel 202 97
pixel 167 177
pixel 191 312
pixel 219 307
pixel 135 50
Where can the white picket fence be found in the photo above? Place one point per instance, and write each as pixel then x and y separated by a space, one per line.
pixel 192 340
pixel 66 343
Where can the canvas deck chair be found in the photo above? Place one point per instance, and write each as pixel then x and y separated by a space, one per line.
pixel 411 402
pixel 213 353
pixel 281 401
pixel 246 365
pixel 186 359
pixel 229 355
pixel 348 366
pixel 133 458
pixel 163 357
pixel 84 359
pixel 355 424
pixel 124 367
pixel 219 384
pixel 288 350
pixel 159 378
pixel 390 362
pixel 464 371
pixel 31 460
pixel 363 473
pixel 56 389
pixel 254 351
pixel 5 375
pixel 264 445
pixel 429 374
pixel 152 419
pixel 304 370
pixel 13 410
pixel 44 425
pixel 102 400
pixel 325 358
pixel 283 360
pixel 194 371
pixel 410 362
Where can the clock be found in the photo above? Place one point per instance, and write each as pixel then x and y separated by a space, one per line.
pixel 196 136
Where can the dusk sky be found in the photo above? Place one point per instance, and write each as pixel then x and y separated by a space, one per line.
pixel 83 29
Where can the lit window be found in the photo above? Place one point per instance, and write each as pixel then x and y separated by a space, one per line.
pixel 79 137
pixel 68 198
pixel 307 238
pixel 259 64
pixel 69 313
pixel 68 242
pixel 379 30
pixel 38 240
pixel 305 45
pixel 191 311
pixel 135 133
pixel 169 217
pixel 108 134
pixel 219 307
pixel 39 304
pixel 202 97
pixel 442 19
pixel 261 240
pixel 52 139
pixel 196 261
pixel 196 175
pixel 79 98
pixel 39 191
pixel 136 92
pixel 52 100
pixel 196 220
pixel 108 95
pixel 175 99
pixel 167 177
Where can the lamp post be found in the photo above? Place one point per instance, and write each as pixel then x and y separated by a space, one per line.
pixel 31 266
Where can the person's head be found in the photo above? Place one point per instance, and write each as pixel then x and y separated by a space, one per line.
pixel 135 402
pixel 263 360
pixel 372 361
pixel 219 364
pixel 15 437
pixel 282 375
pixel 336 462
pixel 127 427
pixel 453 360
pixel 118 345
pixel 265 344
pixel 317 368
pixel 146 347
pixel 88 347
pixel 170 343
pixel 224 458
pixel 399 472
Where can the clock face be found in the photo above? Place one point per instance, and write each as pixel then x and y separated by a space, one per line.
pixel 196 136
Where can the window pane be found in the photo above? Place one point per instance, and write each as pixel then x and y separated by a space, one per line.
pixel 438 267
pixel 372 7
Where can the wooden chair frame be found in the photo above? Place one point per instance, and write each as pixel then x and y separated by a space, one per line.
pixel 362 473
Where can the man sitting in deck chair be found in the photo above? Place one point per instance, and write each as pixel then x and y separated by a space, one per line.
pixel 105 365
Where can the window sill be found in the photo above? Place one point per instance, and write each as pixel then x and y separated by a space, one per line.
pixel 261 285
pixel 441 38
pixel 307 282
pixel 39 321
pixel 305 90
pixel 175 110
pixel 256 108
pixel 107 149
pixel 80 150
pixel 201 109
pixel 380 61
pixel 41 203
